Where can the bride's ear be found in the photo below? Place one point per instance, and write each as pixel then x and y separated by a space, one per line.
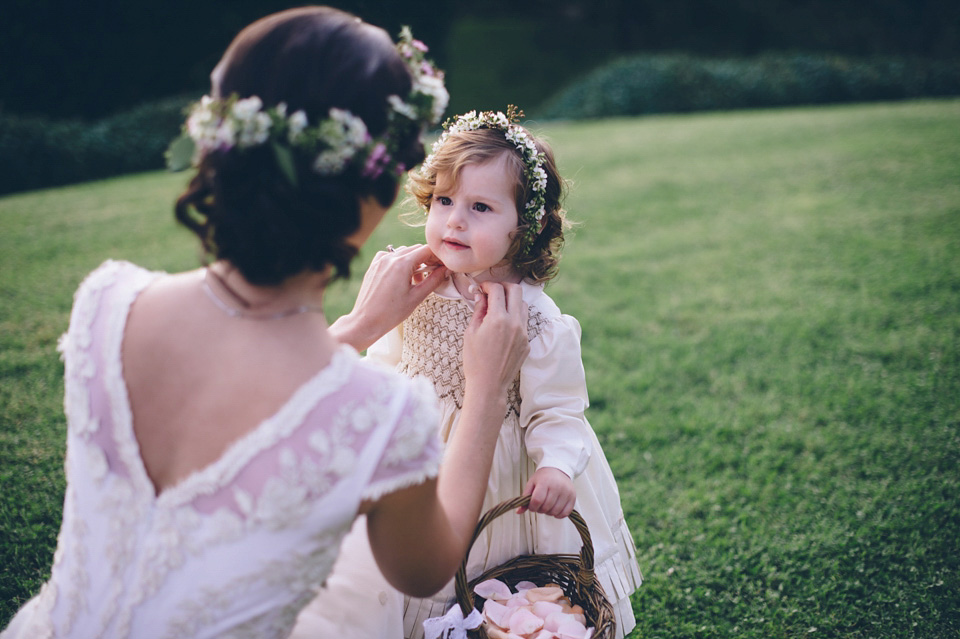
pixel 371 213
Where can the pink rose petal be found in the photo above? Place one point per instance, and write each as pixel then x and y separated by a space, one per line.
pixel 496 633
pixel 524 585
pixel 571 629
pixel 524 622
pixel 492 589
pixel 518 600
pixel 544 609
pixel 548 593
pixel 497 613
pixel 552 622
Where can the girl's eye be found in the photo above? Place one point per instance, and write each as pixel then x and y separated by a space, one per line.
pixel 481 207
pixel 445 201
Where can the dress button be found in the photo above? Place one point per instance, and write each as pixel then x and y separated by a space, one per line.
pixel 383 598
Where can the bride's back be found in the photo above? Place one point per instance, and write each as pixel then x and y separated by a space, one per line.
pixel 199 379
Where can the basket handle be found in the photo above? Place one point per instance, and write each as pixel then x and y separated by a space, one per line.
pixel 585 578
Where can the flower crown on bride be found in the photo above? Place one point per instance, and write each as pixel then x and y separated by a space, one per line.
pixel 532 157
pixel 334 144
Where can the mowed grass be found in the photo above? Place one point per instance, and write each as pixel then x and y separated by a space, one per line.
pixel 770 303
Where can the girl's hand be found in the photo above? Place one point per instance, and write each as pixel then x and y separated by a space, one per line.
pixel 551 493
pixel 395 284
pixel 495 343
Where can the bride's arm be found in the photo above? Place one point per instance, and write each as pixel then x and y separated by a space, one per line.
pixel 420 534
pixel 392 287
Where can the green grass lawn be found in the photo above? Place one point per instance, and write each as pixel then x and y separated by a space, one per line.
pixel 770 304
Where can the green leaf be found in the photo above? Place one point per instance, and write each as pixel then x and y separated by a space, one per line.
pixel 285 162
pixel 179 154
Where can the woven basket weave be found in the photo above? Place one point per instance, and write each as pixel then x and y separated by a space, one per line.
pixel 573 573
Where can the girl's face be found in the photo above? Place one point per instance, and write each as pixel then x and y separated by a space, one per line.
pixel 469 225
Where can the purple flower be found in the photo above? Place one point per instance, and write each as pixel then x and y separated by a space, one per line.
pixel 376 161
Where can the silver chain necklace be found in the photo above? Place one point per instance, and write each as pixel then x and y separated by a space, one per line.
pixel 232 311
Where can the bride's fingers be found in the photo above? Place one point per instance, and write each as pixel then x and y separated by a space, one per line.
pixel 495 297
pixel 514 297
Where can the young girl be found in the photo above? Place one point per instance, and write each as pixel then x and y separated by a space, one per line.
pixel 492 195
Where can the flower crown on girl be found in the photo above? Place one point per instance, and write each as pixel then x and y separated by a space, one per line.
pixel 335 143
pixel 532 157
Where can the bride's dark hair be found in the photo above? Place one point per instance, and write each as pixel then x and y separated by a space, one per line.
pixel 242 206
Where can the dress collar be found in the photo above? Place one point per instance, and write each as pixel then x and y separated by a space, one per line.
pixel 531 291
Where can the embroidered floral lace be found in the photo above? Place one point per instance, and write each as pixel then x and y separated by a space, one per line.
pixel 239 547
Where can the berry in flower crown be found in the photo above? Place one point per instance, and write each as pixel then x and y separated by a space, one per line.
pixel 334 144
pixel 533 158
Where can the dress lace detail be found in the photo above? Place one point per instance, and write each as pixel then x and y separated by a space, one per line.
pixel 297 575
pixel 433 347
pixel 238 547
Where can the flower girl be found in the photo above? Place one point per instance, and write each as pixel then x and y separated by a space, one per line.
pixel 492 196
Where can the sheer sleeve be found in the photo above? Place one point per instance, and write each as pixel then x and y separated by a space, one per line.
pixel 412 454
pixel 554 390
pixel 387 349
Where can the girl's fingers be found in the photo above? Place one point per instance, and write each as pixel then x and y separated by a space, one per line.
pixel 528 489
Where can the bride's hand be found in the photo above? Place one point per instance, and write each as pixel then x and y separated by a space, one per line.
pixel 495 343
pixel 395 284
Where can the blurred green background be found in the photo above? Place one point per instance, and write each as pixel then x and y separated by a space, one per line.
pixel 68 59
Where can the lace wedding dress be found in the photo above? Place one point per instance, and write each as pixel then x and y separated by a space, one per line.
pixel 240 546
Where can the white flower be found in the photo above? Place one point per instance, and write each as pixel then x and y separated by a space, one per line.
pixel 203 126
pixel 225 135
pixel 540 179
pixel 354 131
pixel 247 108
pixel 433 86
pixel 254 130
pixel 330 162
pixel 297 123
pixel 402 107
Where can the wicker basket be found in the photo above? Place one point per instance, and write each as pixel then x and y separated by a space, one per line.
pixel 573 573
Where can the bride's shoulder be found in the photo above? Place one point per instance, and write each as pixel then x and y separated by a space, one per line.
pixel 376 374
pixel 115 274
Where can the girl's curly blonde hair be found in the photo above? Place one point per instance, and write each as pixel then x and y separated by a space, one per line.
pixel 540 260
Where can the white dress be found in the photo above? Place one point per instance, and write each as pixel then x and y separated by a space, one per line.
pixel 239 547
pixel 544 426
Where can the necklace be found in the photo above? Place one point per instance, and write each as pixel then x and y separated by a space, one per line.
pixel 232 311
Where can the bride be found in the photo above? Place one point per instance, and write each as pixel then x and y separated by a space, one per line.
pixel 221 436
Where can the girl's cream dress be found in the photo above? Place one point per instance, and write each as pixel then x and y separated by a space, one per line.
pixel 544 426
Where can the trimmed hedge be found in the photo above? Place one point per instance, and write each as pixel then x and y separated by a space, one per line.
pixel 679 83
pixel 37 153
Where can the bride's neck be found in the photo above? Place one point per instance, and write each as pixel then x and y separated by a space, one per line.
pixel 302 289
